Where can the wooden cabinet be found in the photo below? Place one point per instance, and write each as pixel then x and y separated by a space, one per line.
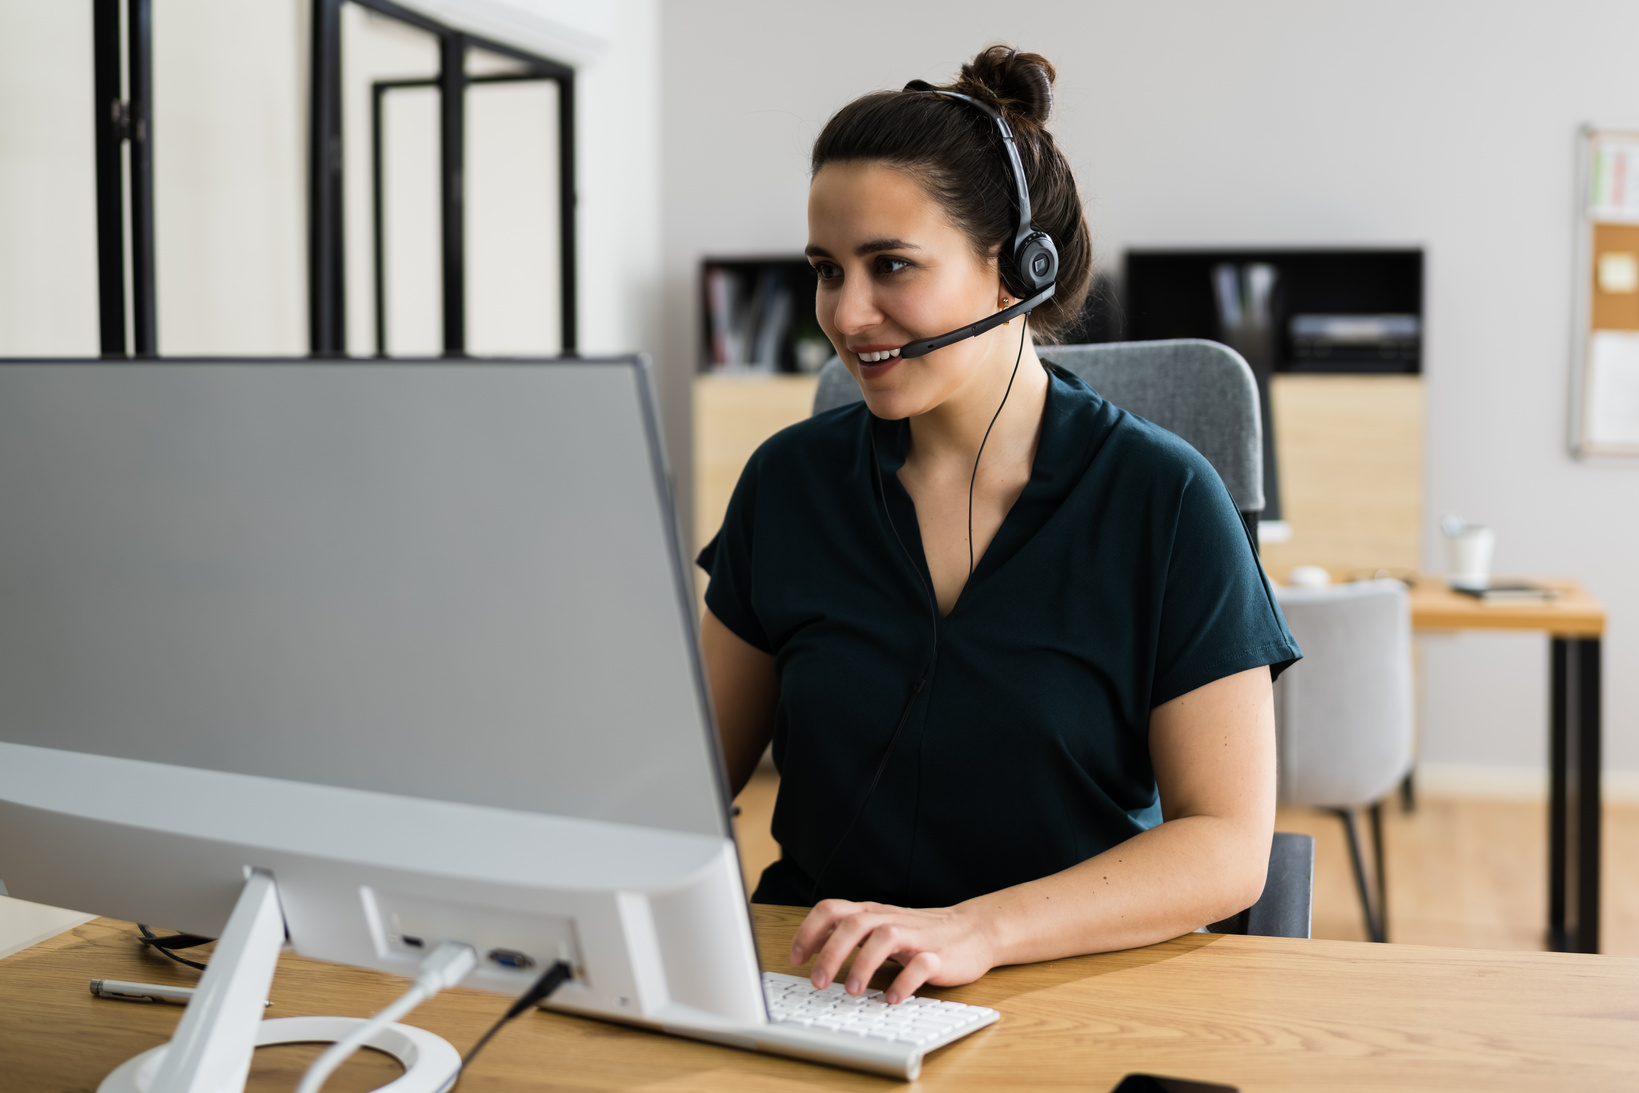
pixel 1350 450
pixel 733 413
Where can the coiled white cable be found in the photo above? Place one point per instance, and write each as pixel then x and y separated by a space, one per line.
pixel 444 967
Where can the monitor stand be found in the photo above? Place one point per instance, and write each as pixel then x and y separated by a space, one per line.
pixel 211 1048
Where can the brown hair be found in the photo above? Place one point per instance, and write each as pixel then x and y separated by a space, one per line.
pixel 957 155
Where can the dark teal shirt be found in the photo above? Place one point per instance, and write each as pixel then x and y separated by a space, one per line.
pixel 1122 577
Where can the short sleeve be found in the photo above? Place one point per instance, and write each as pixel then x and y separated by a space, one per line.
pixel 728 561
pixel 1218 614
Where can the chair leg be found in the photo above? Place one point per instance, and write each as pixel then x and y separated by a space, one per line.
pixel 1408 792
pixel 1373 930
pixel 1382 865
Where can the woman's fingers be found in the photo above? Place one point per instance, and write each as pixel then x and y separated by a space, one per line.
pixel 923 967
pixel 818 926
pixel 887 940
pixel 849 932
pixel 930 944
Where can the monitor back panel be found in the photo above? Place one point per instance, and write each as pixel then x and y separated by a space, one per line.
pixel 456 580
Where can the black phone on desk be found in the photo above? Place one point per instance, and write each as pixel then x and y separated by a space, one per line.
pixel 1154 1083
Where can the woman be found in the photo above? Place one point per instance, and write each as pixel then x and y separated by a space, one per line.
pixel 1011 644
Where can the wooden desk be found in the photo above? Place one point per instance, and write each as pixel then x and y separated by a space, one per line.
pixel 1265 1014
pixel 1575 624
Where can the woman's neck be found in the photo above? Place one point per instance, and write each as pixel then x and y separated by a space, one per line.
pixel 954 430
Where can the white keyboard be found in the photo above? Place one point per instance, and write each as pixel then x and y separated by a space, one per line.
pixel 919 1023
pixel 831 1026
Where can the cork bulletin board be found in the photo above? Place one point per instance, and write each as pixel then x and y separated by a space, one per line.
pixel 1605 364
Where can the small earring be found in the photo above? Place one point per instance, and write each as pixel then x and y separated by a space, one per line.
pixel 1007 301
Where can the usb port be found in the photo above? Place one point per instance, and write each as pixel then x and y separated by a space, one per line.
pixel 413 942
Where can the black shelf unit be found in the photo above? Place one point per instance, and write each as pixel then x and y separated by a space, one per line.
pixel 1170 294
pixel 739 310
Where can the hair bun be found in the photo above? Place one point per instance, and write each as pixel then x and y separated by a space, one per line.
pixel 1020 84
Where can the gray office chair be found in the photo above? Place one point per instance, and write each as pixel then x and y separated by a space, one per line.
pixel 1286 908
pixel 1205 393
pixel 1343 713
pixel 1200 390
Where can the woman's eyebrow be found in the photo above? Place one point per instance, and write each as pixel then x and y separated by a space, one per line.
pixel 876 246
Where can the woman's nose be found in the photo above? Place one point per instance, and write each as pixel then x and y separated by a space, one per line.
pixel 856 308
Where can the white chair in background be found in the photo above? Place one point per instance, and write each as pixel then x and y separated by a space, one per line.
pixel 1343 714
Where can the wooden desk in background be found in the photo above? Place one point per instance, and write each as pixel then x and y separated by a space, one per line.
pixel 1575 624
pixel 1264 1014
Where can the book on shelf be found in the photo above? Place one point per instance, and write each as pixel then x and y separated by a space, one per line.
pixel 759 316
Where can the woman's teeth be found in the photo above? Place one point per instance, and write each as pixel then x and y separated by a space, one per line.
pixel 872 358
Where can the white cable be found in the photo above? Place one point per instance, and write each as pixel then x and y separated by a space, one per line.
pixel 446 966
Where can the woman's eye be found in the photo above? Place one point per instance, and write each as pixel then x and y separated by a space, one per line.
pixel 886 263
pixel 826 271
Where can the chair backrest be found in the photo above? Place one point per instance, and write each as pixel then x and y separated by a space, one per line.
pixel 1200 390
pixel 1286 908
pixel 1343 714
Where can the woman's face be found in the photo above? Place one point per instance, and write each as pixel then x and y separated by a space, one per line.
pixel 892 268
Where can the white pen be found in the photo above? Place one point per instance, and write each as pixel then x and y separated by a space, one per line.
pixel 122 991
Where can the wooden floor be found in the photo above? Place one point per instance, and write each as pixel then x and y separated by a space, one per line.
pixel 1462 872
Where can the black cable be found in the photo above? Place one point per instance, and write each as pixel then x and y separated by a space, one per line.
pixel 554 977
pixel 164 945
pixel 971 481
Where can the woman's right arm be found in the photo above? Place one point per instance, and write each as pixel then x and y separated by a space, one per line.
pixel 745 690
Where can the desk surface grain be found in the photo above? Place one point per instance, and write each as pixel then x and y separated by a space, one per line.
pixel 1573 614
pixel 1259 1013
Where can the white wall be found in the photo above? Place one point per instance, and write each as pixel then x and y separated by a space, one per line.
pixel 48 190
pixel 1192 122
pixel 618 112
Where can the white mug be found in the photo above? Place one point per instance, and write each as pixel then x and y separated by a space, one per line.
pixel 1469 552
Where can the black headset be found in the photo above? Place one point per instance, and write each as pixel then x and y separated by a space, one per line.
pixel 1036 261
pixel 1035 257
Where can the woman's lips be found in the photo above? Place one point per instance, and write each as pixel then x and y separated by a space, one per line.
pixel 871 371
pixel 875 360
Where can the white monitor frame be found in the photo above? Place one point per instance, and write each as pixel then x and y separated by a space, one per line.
pixel 652 916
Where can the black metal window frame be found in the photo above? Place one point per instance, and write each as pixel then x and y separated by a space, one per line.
pixel 327 297
pixel 120 118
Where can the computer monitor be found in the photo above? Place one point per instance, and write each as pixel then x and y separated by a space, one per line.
pixel 410 643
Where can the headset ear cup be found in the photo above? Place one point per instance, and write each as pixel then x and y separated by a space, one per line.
pixel 1038 261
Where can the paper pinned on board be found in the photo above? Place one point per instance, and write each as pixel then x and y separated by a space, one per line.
pixel 1613 389
pixel 1615 179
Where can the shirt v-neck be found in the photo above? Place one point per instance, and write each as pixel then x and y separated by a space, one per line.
pixel 1057 466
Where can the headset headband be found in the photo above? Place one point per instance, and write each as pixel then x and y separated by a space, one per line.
pixel 1009 146
pixel 1034 256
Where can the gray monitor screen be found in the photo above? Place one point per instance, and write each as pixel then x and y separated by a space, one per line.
pixel 457 580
